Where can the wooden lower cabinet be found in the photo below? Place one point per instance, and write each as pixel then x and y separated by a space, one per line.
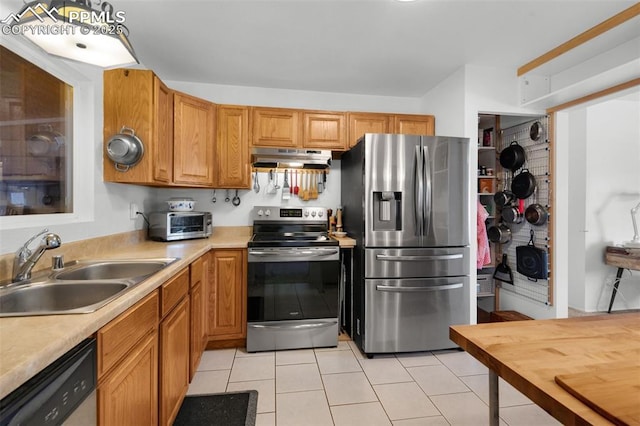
pixel 227 298
pixel 128 395
pixel 174 361
pixel 198 336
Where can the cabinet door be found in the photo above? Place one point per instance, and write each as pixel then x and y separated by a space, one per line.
pixel 275 127
pixel 361 123
pixel 227 295
pixel 174 361
pixel 232 147
pixel 324 130
pixel 414 124
pixel 194 121
pixel 163 129
pixel 129 394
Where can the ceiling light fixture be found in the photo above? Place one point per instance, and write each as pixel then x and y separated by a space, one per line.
pixel 73 30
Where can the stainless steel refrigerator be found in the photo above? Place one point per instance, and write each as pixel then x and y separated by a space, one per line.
pixel 405 200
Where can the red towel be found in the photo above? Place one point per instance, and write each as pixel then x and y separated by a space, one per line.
pixel 484 252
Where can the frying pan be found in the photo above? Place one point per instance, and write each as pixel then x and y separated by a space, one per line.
pixel 524 184
pixel 535 131
pixel 532 261
pixel 512 157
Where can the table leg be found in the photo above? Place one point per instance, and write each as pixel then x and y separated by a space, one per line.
pixel 615 288
pixel 494 399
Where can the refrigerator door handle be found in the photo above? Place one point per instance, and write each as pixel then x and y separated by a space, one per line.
pixel 419 258
pixel 395 289
pixel 426 211
pixel 418 192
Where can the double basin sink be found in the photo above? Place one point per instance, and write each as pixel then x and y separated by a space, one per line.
pixel 80 287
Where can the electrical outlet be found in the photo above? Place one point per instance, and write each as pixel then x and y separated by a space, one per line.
pixel 133 211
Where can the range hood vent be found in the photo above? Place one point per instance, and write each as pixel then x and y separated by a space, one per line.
pixel 291 158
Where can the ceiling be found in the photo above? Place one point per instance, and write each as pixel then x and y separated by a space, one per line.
pixel 369 47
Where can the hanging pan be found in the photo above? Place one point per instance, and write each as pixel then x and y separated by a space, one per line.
pixel 535 131
pixel 532 261
pixel 512 157
pixel 536 214
pixel 524 184
pixel 125 149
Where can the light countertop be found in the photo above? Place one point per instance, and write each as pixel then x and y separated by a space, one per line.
pixel 29 344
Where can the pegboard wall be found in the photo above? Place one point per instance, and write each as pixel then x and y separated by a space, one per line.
pixel 537 162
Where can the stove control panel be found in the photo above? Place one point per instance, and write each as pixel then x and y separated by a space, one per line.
pixel 288 214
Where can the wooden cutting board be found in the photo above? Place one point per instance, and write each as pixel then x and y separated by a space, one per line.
pixel 607 391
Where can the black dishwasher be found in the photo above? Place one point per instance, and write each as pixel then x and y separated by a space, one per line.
pixel 51 396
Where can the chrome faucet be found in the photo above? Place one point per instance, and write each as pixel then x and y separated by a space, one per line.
pixel 25 259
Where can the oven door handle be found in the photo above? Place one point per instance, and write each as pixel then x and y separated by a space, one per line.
pixel 296 326
pixel 295 253
pixel 419 258
pixel 418 289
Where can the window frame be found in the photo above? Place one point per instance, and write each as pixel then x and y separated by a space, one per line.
pixel 83 145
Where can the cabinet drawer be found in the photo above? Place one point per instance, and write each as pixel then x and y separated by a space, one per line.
pixel 120 335
pixel 173 291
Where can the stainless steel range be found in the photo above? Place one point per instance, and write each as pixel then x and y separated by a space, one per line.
pixel 293 281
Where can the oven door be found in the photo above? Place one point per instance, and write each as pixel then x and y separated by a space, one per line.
pixel 293 297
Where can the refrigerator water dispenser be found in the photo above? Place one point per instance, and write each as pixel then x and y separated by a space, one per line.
pixel 387 212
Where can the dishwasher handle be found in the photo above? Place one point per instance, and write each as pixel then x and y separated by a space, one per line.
pixel 418 258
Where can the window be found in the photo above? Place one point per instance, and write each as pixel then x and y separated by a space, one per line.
pixel 36 139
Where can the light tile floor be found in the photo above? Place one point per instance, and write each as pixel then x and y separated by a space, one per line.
pixel 339 386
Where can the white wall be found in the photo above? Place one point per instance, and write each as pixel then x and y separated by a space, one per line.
pixel 606 190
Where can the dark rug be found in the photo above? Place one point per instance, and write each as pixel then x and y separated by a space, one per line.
pixel 220 409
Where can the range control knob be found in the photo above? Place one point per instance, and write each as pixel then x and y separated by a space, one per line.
pixel 306 213
pixel 267 212
pixel 320 213
pixel 260 212
pixel 313 213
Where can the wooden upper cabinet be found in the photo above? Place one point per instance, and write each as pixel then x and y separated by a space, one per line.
pixel 361 123
pixel 275 127
pixel 324 130
pixel 232 147
pixel 414 124
pixel 194 123
pixel 138 100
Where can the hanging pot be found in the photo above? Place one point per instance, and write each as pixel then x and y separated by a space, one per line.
pixel 45 141
pixel 511 214
pixel 512 157
pixel 504 197
pixel 125 149
pixel 532 261
pixel 500 234
pixel 536 214
pixel 535 131
pixel 524 184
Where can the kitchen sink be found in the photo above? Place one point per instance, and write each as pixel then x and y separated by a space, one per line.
pixel 80 287
pixel 52 298
pixel 111 269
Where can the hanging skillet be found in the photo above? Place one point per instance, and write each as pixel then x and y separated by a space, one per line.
pixel 524 184
pixel 535 131
pixel 125 149
pixel 532 261
pixel 512 157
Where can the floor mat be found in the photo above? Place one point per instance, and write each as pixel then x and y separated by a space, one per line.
pixel 221 409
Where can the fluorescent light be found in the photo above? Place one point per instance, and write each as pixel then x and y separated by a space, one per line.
pixel 74 31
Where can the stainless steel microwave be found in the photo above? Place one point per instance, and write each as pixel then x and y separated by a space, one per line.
pixel 174 226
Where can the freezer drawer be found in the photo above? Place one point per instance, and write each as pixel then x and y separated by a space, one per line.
pixel 416 262
pixel 413 314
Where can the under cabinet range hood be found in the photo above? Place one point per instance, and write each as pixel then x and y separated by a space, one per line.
pixel 291 158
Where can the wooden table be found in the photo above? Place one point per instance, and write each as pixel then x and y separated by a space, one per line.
pixel 622 258
pixel 530 354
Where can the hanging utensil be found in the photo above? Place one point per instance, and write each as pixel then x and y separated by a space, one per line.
pixel 503 271
pixel 213 200
pixel 305 187
pixel 256 184
pixel 314 186
pixel 236 199
pixel 226 198
pixel 285 187
pixel 323 182
pixel 275 183
pixel 271 189
pixel 296 188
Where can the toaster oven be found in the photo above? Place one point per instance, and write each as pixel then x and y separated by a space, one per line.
pixel 174 226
